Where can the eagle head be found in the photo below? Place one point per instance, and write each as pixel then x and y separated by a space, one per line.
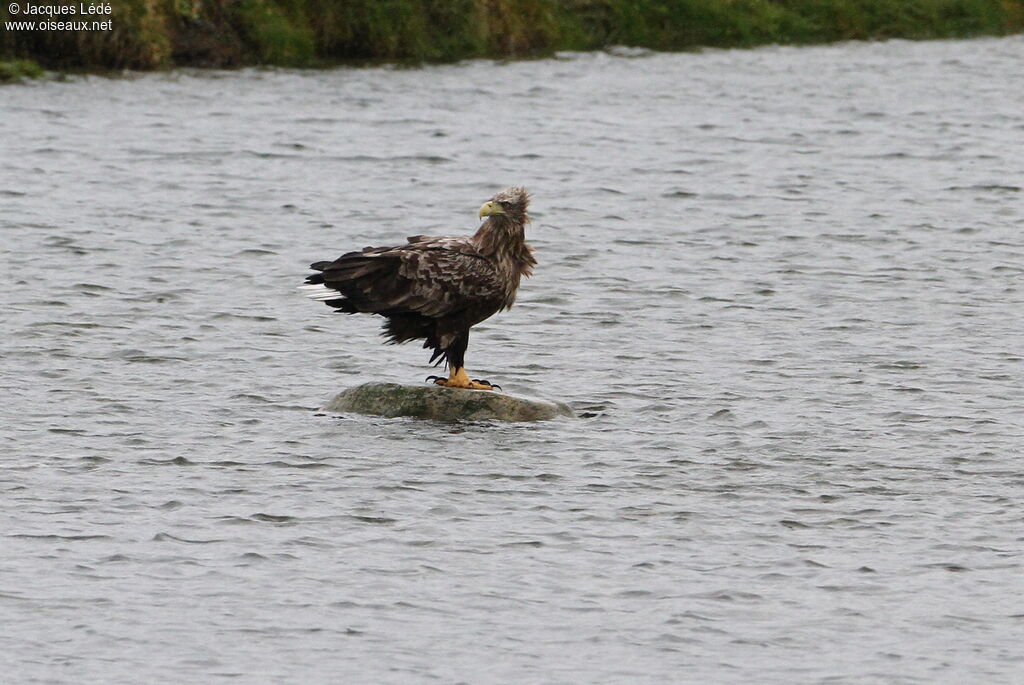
pixel 511 203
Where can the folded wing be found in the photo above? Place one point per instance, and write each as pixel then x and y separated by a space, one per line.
pixel 431 277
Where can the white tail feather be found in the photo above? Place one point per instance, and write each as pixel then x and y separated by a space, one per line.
pixel 319 291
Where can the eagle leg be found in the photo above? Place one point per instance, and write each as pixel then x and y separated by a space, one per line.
pixel 458 378
pixel 455 357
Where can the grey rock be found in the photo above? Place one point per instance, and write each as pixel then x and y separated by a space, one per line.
pixel 443 404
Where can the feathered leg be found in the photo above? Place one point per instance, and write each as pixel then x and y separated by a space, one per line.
pixel 457 376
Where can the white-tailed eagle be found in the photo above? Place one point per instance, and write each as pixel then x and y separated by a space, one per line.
pixel 436 288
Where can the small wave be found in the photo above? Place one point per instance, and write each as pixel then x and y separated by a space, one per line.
pixel 995 187
pixel 176 461
pixel 161 537
pixel 273 518
pixel 378 520
pixel 253 252
pixel 68 538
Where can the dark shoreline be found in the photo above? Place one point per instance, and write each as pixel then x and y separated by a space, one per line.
pixel 148 35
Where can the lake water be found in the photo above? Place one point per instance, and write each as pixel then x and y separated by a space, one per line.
pixel 781 287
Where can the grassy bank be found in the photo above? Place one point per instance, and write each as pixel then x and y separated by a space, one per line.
pixel 18 70
pixel 151 34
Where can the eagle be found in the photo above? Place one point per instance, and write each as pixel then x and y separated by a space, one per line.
pixel 435 289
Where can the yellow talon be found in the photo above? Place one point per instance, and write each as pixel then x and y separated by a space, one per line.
pixel 458 378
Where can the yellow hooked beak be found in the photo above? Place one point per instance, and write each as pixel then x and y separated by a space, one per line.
pixel 489 208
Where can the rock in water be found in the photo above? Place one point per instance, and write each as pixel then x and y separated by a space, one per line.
pixel 443 404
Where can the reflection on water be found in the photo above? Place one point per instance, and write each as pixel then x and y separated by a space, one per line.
pixel 781 285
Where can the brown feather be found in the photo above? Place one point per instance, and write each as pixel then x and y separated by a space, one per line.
pixel 436 288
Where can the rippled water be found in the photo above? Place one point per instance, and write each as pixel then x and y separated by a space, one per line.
pixel 783 288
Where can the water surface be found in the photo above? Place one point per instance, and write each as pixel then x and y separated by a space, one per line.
pixel 782 287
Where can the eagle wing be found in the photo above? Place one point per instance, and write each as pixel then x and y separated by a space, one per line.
pixel 445 276
pixel 432 277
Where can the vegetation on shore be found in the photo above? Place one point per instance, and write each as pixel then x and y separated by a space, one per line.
pixel 19 69
pixel 153 34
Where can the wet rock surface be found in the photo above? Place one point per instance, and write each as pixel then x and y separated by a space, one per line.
pixel 443 404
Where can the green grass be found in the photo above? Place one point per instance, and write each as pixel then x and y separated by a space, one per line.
pixel 19 69
pixel 150 34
